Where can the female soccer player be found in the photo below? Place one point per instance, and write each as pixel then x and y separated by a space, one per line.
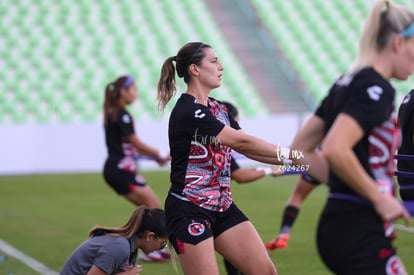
pixel 357 126
pixel 120 170
pixel 201 216
pixel 113 250
pixel 406 184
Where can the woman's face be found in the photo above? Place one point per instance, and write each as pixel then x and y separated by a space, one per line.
pixel 210 69
pixel 151 243
pixel 129 94
pixel 404 63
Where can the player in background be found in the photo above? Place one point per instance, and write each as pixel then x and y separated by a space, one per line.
pixel 113 250
pixel 406 184
pixel 123 144
pixel 243 175
pixel 357 127
pixel 246 175
pixel 201 215
pixel 304 186
pixel 406 117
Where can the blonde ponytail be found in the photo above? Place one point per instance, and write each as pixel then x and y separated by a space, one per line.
pixel 367 47
pixel 384 20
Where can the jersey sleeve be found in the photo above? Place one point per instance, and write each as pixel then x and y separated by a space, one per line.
pixel 233 124
pixel 203 122
pixel 369 104
pixel 233 165
pixel 125 123
pixel 320 110
pixel 112 256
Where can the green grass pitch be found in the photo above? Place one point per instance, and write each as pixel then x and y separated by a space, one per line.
pixel 47 216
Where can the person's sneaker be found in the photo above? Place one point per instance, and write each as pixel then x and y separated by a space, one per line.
pixel 281 241
pixel 154 257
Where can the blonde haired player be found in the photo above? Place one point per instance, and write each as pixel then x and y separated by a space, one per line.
pixel 356 125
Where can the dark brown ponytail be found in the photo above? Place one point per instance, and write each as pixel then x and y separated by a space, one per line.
pixel 190 53
pixel 112 94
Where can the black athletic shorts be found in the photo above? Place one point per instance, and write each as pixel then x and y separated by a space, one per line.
pixel 189 223
pixel 122 181
pixel 351 240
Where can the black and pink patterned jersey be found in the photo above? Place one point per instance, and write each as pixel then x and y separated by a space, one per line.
pixel 200 165
pixel 120 150
pixel 369 99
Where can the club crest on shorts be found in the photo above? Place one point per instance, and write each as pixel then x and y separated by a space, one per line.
pixel 196 228
pixel 394 266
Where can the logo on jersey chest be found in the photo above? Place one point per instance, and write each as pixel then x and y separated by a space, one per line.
pixel 199 114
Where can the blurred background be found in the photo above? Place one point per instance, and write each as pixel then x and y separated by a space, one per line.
pixel 56 57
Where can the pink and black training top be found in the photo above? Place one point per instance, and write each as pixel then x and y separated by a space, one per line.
pixel 200 165
pixel 369 99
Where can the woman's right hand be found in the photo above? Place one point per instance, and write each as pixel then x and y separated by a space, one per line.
pixel 163 159
pixel 277 171
pixel 133 270
pixel 390 209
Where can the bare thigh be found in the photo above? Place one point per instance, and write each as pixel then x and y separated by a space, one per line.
pixel 242 246
pixel 144 195
pixel 199 259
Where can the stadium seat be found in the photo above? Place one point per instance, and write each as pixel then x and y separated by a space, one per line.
pixel 323 34
pixel 61 49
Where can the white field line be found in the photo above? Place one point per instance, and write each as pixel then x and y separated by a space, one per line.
pixel 27 260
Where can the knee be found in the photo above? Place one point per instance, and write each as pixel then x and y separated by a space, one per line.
pixel 271 270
